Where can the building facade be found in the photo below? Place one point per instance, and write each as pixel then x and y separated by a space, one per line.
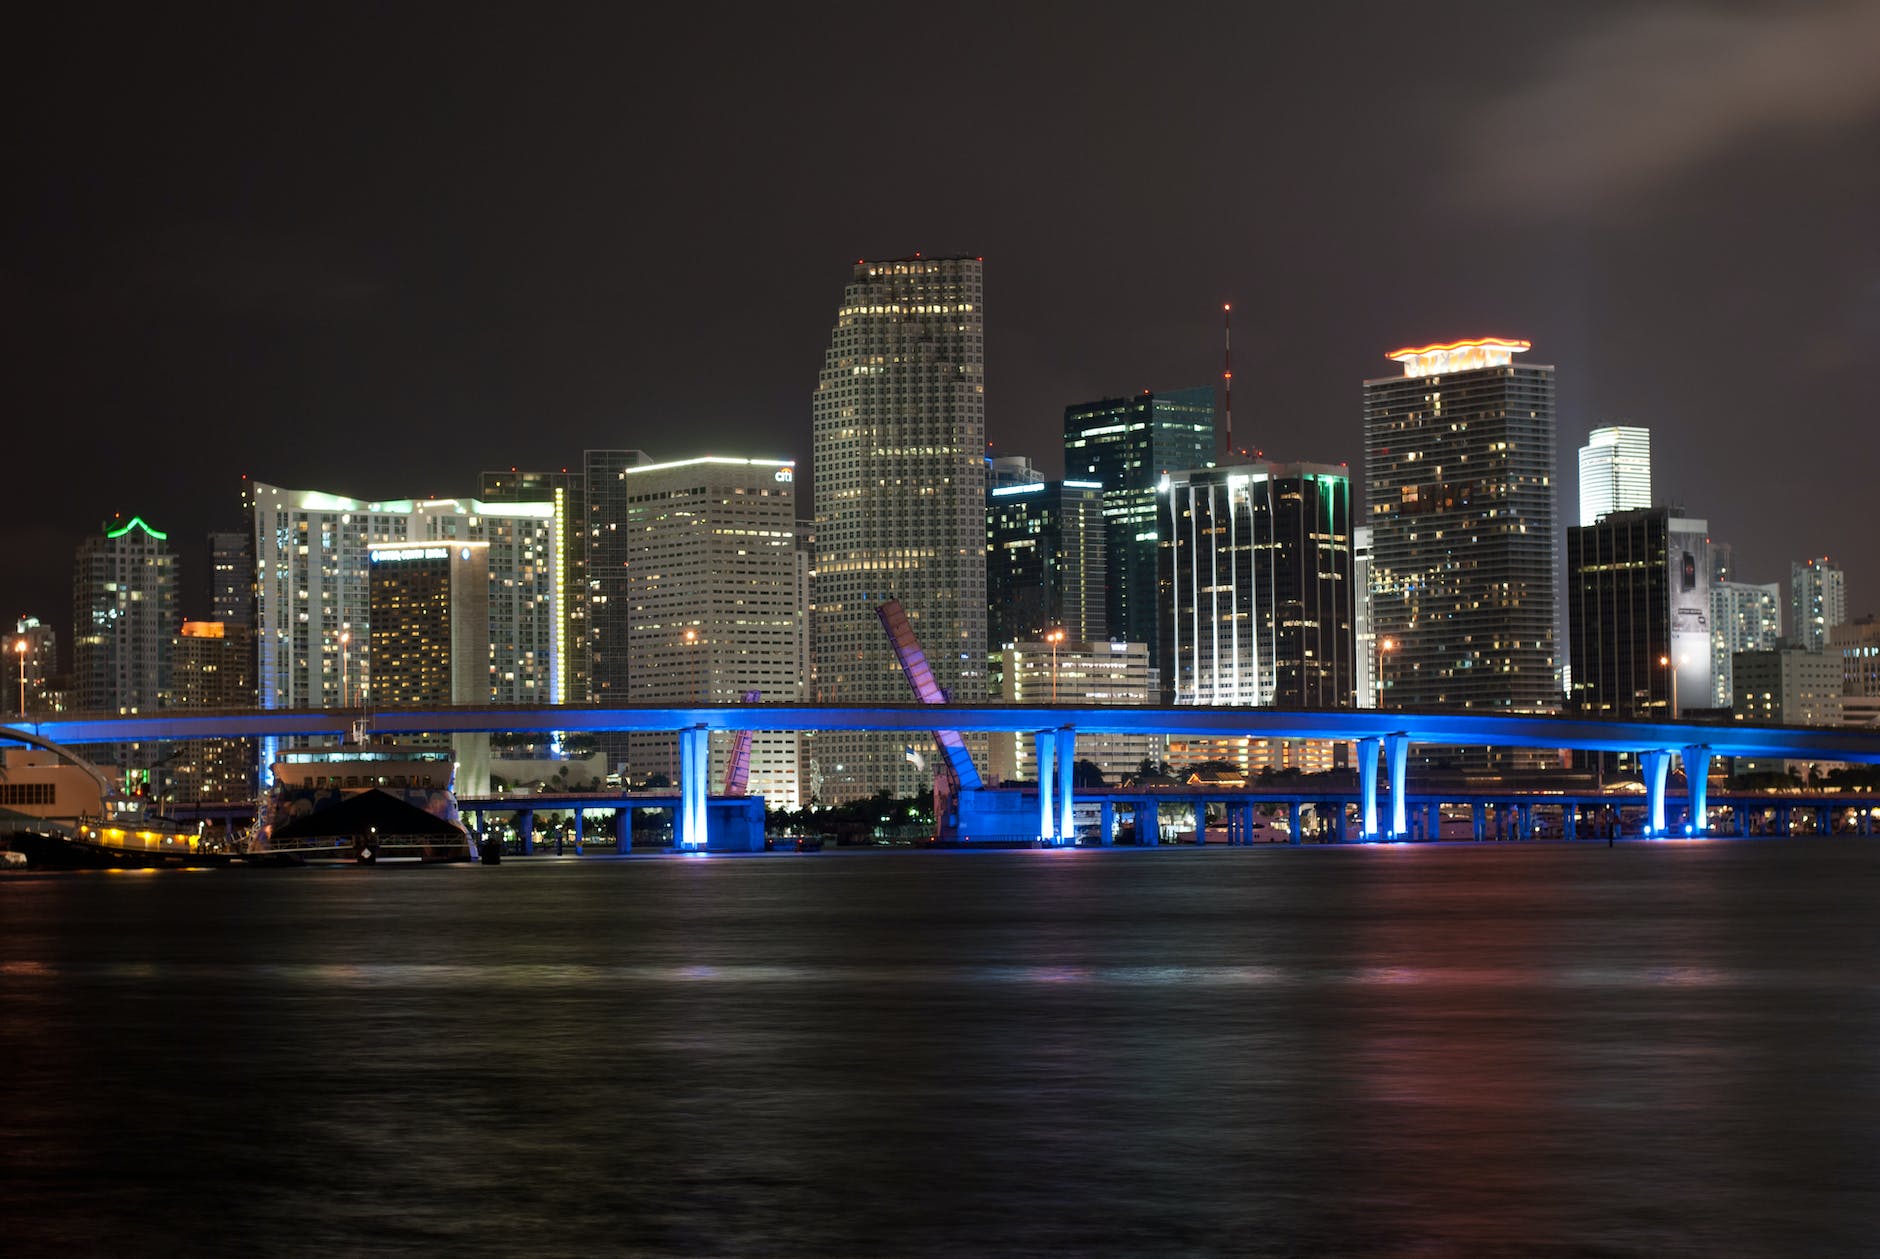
pixel 1817 601
pixel 1075 672
pixel 1615 472
pixel 1857 643
pixel 213 666
pixel 428 609
pixel 1743 617
pixel 32 664
pixel 1639 615
pixel 567 491
pixel 1045 561
pixel 1364 659
pixel 1125 445
pixel 899 442
pixel 713 616
pixel 124 616
pixel 1787 686
pixel 1459 489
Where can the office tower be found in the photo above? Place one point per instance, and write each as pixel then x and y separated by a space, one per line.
pixel 1817 601
pixel 212 666
pixel 1789 685
pixel 1257 586
pixel 1045 561
pixel 900 436
pixel 1615 472
pixel 1459 459
pixel 1125 445
pixel 1743 617
pixel 712 577
pixel 1857 643
pixel 1364 657
pixel 428 609
pixel 568 492
pixel 124 613
pixel 1075 672
pixel 1638 612
pixel 312 596
pixel 232 577
pixel 607 613
pixel 32 660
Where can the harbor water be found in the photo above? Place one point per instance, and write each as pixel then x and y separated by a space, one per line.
pixel 1493 1049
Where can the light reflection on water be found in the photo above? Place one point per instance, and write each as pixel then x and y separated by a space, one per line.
pixel 1428 1051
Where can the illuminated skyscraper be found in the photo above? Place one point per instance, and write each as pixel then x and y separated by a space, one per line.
pixel 1615 472
pixel 1126 444
pixel 1639 609
pixel 1817 601
pixel 35 665
pixel 568 492
pixel 124 613
pixel 1045 561
pixel 1459 465
pixel 900 437
pixel 1743 617
pixel 429 612
pixel 212 666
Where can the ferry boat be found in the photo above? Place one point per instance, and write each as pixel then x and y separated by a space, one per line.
pixel 365 802
pixel 60 812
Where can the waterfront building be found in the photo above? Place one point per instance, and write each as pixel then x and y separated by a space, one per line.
pixel 32 661
pixel 712 594
pixel 212 666
pixel 428 609
pixel 1789 685
pixel 124 613
pixel 1615 472
pixel 900 435
pixel 1857 643
pixel 1638 615
pixel 1817 601
pixel 312 592
pixel 1045 561
pixel 1459 459
pixel 1364 658
pixel 1125 445
pixel 1075 671
pixel 1743 617
pixel 567 491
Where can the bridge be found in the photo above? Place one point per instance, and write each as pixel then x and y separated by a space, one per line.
pixel 1004 814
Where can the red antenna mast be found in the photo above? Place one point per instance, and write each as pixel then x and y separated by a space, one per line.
pixel 1227 369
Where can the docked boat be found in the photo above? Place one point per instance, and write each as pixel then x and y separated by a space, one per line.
pixel 60 812
pixel 363 803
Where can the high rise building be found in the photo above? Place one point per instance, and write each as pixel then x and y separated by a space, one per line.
pixel 1459 460
pixel 1125 445
pixel 712 593
pixel 212 666
pixel 1364 662
pixel 429 612
pixel 1789 685
pixel 1615 472
pixel 1075 672
pixel 1857 642
pixel 1045 561
pixel 1817 601
pixel 1638 612
pixel 1743 617
pixel 568 492
pixel 313 592
pixel 32 661
pixel 124 614
pixel 900 435
pixel 232 577
pixel 603 473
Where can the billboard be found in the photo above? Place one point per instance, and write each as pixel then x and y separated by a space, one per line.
pixel 1687 544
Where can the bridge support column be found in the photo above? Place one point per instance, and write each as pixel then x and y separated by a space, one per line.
pixel 1397 752
pixel 1367 784
pixel 1201 823
pixel 525 830
pixel 1066 740
pixel 1569 821
pixel 1785 825
pixel 1697 789
pixel 1478 820
pixel 1336 811
pixel 1107 827
pixel 694 768
pixel 623 830
pixel 1292 824
pixel 1657 766
pixel 1044 744
pixel 1148 823
pixel 579 817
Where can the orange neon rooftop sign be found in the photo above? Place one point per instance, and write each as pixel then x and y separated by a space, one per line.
pixel 1457 356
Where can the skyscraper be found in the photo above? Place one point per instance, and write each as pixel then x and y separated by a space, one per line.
pixel 1364 662
pixel 1743 617
pixel 213 666
pixel 232 578
pixel 1638 612
pixel 1817 601
pixel 1045 561
pixel 1125 445
pixel 568 492
pixel 1459 465
pixel 124 613
pixel 1615 471
pixel 429 613
pixel 712 598
pixel 32 659
pixel 900 436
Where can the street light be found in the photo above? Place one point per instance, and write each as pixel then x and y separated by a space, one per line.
pixel 19 649
pixel 1665 662
pixel 1055 637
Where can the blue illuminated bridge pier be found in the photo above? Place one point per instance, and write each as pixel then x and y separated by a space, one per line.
pixel 1043 811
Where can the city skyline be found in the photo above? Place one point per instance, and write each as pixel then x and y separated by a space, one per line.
pixel 249 268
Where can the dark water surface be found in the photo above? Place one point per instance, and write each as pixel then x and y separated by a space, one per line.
pixel 1497 1049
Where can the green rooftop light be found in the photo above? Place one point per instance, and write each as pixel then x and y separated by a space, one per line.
pixel 136 522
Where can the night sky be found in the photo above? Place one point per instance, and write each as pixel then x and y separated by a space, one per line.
pixel 376 249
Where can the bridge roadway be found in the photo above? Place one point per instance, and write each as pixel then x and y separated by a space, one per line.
pixel 1054 728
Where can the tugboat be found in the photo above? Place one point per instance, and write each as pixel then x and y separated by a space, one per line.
pixel 365 802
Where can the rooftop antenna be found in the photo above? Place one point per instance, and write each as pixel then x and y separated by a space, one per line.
pixel 1227 370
